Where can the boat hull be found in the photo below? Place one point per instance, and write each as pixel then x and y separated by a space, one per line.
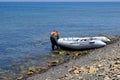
pixel 79 43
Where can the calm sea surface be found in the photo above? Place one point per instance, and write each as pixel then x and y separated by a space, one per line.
pixel 25 27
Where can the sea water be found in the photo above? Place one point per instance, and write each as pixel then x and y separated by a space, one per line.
pixel 25 26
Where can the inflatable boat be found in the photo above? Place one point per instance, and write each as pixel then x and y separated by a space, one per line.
pixel 82 43
pixel 102 38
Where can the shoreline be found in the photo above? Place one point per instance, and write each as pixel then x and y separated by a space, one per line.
pixel 100 56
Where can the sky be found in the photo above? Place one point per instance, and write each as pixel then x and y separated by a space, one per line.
pixel 59 0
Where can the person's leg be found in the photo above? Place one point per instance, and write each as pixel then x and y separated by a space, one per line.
pixel 53 46
pixel 52 42
pixel 56 44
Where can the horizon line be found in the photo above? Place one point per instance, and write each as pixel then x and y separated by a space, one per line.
pixel 59 1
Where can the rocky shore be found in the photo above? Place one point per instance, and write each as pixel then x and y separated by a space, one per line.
pixel 99 64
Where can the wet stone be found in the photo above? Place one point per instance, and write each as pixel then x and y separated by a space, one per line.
pixel 20 77
pixel 29 73
pixel 31 69
pixel 53 62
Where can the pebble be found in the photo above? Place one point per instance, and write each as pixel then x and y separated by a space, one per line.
pixel 107 78
pixel 92 69
pixel 20 77
pixel 118 76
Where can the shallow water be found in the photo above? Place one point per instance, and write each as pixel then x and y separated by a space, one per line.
pixel 25 28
